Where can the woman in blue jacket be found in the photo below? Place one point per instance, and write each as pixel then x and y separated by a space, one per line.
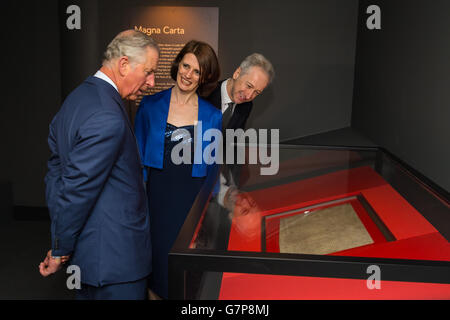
pixel 165 122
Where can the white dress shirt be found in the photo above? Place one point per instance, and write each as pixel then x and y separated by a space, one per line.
pixel 103 76
pixel 226 100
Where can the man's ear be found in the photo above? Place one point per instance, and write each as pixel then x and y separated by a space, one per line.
pixel 237 73
pixel 124 65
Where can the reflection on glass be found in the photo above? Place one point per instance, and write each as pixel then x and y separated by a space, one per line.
pixel 340 203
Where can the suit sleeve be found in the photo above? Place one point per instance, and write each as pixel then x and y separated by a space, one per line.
pixel 141 129
pixel 54 171
pixel 82 178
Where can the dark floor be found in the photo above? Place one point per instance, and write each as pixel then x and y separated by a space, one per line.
pixel 24 245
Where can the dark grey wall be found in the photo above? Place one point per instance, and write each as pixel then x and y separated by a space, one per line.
pixel 31 96
pixel 310 42
pixel 79 49
pixel 402 96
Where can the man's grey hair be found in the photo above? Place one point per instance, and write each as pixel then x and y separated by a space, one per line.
pixel 258 60
pixel 130 43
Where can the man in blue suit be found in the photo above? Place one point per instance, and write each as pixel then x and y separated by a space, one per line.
pixel 94 185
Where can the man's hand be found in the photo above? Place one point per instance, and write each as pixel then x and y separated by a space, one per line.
pixel 245 205
pixel 244 211
pixel 51 265
pixel 239 203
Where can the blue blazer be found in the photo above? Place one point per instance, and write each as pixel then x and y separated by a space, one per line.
pixel 94 189
pixel 150 126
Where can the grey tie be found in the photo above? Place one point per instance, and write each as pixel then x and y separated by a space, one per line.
pixel 226 116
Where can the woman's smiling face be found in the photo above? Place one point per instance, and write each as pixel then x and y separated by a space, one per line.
pixel 188 75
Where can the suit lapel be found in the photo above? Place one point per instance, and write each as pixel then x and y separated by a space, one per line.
pixel 240 115
pixel 121 106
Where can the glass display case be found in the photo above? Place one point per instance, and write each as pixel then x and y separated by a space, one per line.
pixel 333 223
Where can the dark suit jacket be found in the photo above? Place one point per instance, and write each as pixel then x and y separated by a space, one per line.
pixel 94 188
pixel 237 121
pixel 241 111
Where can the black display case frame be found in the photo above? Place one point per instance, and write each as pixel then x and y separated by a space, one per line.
pixel 186 265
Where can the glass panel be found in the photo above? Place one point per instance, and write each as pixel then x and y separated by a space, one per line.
pixel 259 194
pixel 381 207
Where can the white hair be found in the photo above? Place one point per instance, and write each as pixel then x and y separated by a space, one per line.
pixel 258 60
pixel 130 43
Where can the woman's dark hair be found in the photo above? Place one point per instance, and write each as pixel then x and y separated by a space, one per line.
pixel 207 60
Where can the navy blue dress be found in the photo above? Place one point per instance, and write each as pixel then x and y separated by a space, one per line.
pixel 171 193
